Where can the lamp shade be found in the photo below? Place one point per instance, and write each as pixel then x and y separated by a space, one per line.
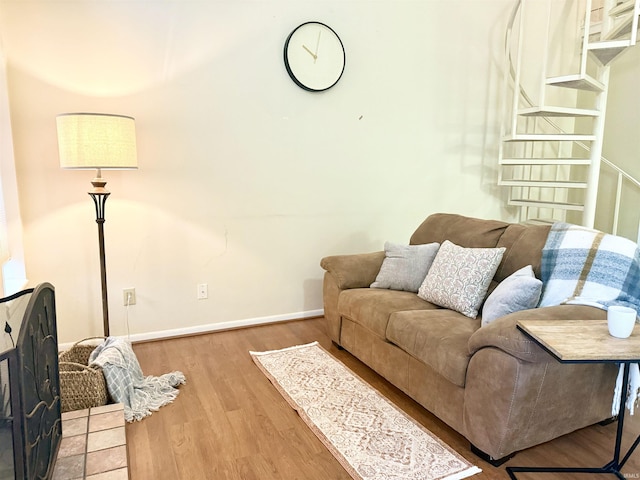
pixel 96 140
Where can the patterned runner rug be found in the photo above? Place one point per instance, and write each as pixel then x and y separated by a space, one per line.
pixel 367 434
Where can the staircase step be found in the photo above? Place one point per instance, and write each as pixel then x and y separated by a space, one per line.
pixel 621 8
pixel 541 204
pixel 580 82
pixel 605 52
pixel 557 112
pixel 542 183
pixel 545 161
pixel 550 137
pixel 623 27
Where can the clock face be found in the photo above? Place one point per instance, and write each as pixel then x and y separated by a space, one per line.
pixel 314 56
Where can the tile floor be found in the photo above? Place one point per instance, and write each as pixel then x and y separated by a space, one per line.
pixel 94 445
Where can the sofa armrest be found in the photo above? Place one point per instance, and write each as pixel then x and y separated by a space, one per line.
pixel 505 335
pixel 511 404
pixel 344 272
pixel 353 271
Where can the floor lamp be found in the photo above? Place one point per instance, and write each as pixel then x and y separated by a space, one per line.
pixel 100 141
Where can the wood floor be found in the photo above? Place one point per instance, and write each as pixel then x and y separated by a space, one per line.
pixel 230 423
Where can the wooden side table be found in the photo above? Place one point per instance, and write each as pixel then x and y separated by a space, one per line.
pixel 586 341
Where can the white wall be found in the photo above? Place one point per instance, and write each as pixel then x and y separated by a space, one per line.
pixel 622 142
pixel 12 249
pixel 245 181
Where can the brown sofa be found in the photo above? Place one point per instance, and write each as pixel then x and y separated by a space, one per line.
pixel 492 384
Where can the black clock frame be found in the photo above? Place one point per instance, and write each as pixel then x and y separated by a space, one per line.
pixel 286 58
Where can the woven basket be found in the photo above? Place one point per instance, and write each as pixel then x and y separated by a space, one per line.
pixel 81 386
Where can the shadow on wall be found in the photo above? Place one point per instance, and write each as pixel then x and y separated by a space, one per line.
pixel 312 291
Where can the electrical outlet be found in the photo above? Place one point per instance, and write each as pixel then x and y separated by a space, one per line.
pixel 203 291
pixel 129 296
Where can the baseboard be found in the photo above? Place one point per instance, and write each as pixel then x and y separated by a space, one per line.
pixel 213 327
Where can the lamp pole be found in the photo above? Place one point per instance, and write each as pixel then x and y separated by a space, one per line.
pixel 99 194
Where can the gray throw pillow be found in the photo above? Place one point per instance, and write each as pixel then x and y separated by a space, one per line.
pixel 405 266
pixel 519 291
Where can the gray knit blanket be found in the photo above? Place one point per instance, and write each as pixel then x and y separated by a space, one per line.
pixel 126 383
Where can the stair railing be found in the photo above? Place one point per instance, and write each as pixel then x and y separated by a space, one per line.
pixel 634 24
pixel 621 177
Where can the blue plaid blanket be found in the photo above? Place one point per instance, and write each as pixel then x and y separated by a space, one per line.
pixel 588 267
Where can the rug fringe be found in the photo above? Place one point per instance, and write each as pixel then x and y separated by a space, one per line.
pixel 295 347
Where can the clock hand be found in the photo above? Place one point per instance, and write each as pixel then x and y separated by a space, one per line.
pixel 310 53
pixel 318 42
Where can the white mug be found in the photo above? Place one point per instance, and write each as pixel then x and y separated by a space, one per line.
pixel 621 321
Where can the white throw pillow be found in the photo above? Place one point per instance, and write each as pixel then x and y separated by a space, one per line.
pixel 405 266
pixel 459 277
pixel 519 291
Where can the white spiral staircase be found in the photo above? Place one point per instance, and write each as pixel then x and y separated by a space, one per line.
pixel 553 125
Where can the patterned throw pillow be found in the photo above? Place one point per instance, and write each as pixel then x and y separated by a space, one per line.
pixel 459 277
pixel 405 266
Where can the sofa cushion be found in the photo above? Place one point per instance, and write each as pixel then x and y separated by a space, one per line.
pixel 459 277
pixel 405 266
pixel 371 307
pixel 464 231
pixel 524 245
pixel 438 338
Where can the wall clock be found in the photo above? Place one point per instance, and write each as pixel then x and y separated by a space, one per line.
pixel 314 56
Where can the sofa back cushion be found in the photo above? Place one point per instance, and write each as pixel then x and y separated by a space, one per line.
pixel 524 245
pixel 463 231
